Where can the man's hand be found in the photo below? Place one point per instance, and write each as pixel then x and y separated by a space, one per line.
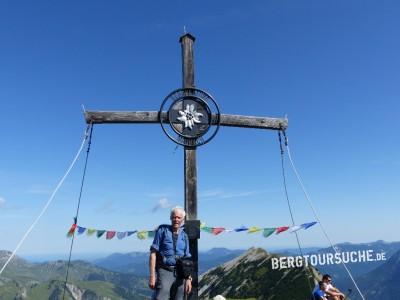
pixel 152 282
pixel 188 286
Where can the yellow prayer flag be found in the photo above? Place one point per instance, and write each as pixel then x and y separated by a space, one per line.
pixel 90 231
pixel 142 235
pixel 254 229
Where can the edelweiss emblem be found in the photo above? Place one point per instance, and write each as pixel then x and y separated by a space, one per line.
pixel 189 116
pixel 193 117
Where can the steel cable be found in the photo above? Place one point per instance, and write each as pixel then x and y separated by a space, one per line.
pixel 47 203
pixel 315 212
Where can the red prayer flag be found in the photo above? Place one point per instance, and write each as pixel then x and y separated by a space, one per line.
pixel 217 230
pixel 72 230
pixel 281 229
pixel 110 235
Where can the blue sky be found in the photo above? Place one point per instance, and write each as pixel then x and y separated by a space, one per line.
pixel 332 67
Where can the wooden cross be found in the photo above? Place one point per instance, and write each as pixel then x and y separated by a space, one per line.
pixel 190 168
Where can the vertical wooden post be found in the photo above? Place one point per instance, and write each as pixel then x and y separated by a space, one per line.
pixel 187 41
pixel 190 157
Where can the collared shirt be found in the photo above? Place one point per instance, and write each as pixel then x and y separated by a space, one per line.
pixel 163 243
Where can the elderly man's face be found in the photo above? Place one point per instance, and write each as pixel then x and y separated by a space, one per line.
pixel 176 220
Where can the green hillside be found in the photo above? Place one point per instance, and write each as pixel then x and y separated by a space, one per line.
pixel 23 280
pixel 250 276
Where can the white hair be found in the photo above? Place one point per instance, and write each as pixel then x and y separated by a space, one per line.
pixel 178 209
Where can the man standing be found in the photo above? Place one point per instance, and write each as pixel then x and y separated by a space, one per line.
pixel 170 243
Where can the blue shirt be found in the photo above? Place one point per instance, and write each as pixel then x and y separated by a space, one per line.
pixel 319 294
pixel 163 243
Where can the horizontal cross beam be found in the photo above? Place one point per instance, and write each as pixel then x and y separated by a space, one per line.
pixel 100 117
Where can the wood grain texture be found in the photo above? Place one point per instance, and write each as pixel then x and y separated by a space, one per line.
pixel 103 117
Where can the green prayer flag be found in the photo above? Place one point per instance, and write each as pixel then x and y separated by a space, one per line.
pixel 207 229
pixel 100 233
pixel 268 231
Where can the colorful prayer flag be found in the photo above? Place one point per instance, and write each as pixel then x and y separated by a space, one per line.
pixel 121 235
pixel 217 230
pixel 295 228
pixel 254 229
pixel 242 228
pixel 71 230
pixel 142 235
pixel 268 231
pixel 100 233
pixel 308 225
pixel 129 233
pixel 110 235
pixel 91 231
pixel 207 229
pixel 81 230
pixel 281 229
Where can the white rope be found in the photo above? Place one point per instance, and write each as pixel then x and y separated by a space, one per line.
pixel 317 218
pixel 48 201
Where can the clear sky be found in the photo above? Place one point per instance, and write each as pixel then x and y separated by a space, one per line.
pixel 333 67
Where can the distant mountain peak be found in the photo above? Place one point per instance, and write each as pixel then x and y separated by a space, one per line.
pixel 5 253
pixel 253 254
pixel 382 282
pixel 250 276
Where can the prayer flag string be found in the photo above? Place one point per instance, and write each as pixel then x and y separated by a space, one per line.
pixel 146 234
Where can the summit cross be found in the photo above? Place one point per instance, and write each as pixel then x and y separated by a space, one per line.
pixel 187 119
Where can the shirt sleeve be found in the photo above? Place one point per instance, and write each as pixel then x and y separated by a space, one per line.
pixel 157 240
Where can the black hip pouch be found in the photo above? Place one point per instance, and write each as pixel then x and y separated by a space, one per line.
pixel 184 267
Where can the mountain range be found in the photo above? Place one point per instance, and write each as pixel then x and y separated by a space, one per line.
pixel 233 273
pixel 383 282
pixel 24 280
pixel 133 262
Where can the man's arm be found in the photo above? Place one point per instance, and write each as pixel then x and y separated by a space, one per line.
pixel 339 292
pixel 333 293
pixel 152 269
pixel 154 248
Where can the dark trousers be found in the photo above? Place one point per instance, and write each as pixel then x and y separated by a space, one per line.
pixel 168 287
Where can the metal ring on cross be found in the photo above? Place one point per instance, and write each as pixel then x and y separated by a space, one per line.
pixel 192 118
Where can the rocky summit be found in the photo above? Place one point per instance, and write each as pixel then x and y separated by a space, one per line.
pixel 250 276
